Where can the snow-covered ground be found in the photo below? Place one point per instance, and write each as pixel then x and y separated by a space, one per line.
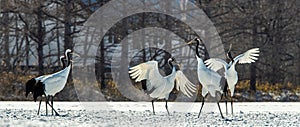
pixel 140 114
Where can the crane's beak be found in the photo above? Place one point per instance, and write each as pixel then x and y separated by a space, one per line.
pixel 75 54
pixel 175 61
pixel 230 48
pixel 229 53
pixel 179 65
pixel 190 42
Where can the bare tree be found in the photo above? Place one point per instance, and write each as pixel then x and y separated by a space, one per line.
pixel 5 34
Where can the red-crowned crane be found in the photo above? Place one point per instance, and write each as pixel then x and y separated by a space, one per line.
pixel 209 79
pixel 49 85
pixel 31 85
pixel 230 72
pixel 160 87
pixel 32 82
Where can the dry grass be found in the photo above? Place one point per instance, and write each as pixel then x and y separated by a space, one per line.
pixel 267 87
pixel 13 87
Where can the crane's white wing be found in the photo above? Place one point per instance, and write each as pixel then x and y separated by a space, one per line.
pixel 41 78
pixel 248 57
pixel 54 83
pixel 147 71
pixel 215 64
pixel 184 85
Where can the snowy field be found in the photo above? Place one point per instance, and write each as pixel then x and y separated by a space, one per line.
pixel 109 114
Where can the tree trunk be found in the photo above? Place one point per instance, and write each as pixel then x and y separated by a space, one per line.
pixel 252 66
pixel 40 38
pixel 67 35
pixel 69 92
pixel 102 61
pixel 57 38
pixel 5 24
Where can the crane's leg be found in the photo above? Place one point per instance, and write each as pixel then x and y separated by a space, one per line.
pixel 201 107
pixel 225 92
pixel 53 109
pixel 39 107
pixel 226 99
pixel 231 105
pixel 153 106
pixel 52 104
pixel 46 105
pixel 219 108
pixel 167 106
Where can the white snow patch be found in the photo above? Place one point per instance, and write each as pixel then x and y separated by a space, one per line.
pixel 109 114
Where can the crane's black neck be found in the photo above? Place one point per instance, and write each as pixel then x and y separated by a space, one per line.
pixel 176 66
pixel 68 56
pixel 63 62
pixel 230 56
pixel 170 64
pixel 197 50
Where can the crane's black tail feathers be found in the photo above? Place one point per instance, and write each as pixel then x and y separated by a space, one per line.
pixel 144 86
pixel 30 84
pixel 38 90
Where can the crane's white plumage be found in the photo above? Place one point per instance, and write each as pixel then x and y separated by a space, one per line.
pixel 230 72
pixel 184 85
pixel 209 79
pixel 40 77
pixel 248 57
pixel 55 82
pixel 50 84
pixel 159 85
